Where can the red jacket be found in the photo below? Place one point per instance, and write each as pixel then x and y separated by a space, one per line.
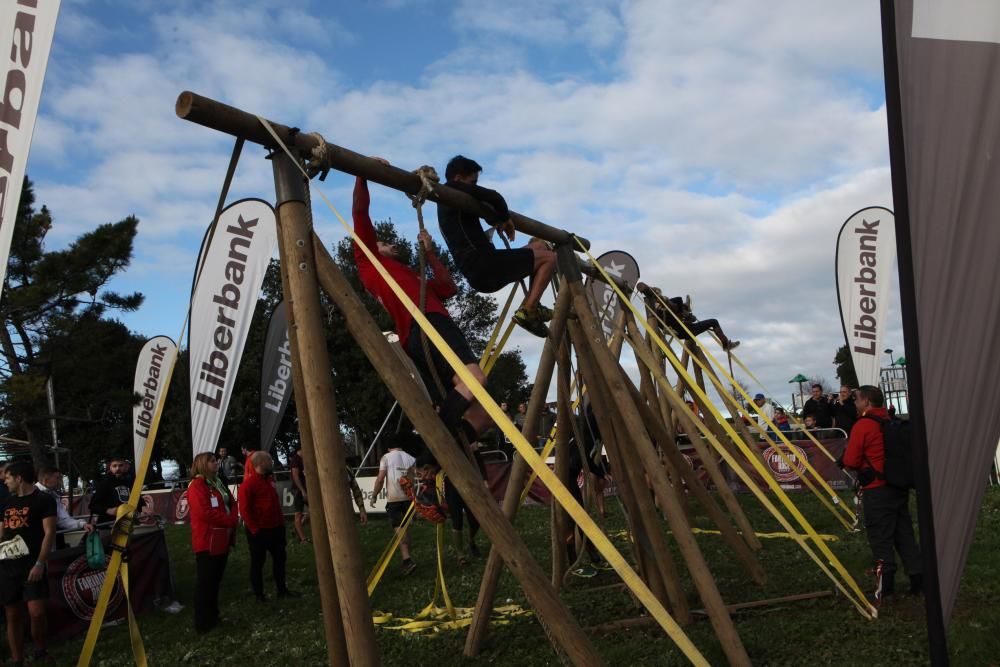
pixel 205 514
pixel 259 503
pixel 866 447
pixel 439 288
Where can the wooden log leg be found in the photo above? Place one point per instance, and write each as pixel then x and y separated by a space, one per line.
pixel 563 630
pixel 333 628
pixel 708 590
pixel 661 571
pixel 295 243
pixel 560 520
pixel 704 452
pixel 518 475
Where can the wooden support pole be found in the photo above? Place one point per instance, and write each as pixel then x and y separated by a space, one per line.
pixel 706 455
pixel 698 568
pixel 295 243
pixel 336 643
pixel 649 542
pixel 563 630
pixel 518 474
pixel 564 414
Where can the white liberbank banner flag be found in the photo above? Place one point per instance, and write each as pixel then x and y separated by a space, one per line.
pixel 866 253
pixel 151 373
pixel 26 29
pixel 231 274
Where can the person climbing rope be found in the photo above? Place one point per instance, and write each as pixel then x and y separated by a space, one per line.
pixel 486 267
pixel 456 406
pixel 683 311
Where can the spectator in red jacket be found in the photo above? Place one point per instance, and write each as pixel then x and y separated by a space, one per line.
pixel 886 508
pixel 213 532
pixel 265 524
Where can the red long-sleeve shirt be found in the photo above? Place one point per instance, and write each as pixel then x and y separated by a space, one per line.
pixel 866 446
pixel 439 288
pixel 206 514
pixel 259 503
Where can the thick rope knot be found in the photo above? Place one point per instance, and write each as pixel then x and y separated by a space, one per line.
pixel 428 177
pixel 318 161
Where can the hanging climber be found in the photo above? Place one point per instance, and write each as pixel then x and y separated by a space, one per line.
pixel 457 407
pixel 486 267
pixel 682 311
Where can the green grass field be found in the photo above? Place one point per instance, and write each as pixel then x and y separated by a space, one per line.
pixel 824 631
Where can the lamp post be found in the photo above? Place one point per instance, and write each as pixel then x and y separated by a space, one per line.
pixel 888 351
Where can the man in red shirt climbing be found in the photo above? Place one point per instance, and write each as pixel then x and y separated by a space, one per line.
pixel 886 507
pixel 457 407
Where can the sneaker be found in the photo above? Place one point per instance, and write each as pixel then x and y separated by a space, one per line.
pixel 531 322
pixel 544 313
pixel 732 345
pixel 584 572
pixel 409 566
pixel 602 565
pixel 174 607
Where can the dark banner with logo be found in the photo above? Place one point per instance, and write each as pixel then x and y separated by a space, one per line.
pixel 603 299
pixel 275 377
pixel 74 586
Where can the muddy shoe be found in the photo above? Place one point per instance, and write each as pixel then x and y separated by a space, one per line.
pixel 584 572
pixel 544 313
pixel 731 345
pixel 531 322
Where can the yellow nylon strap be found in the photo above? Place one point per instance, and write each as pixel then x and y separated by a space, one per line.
pixel 439 487
pixel 831 496
pixel 861 602
pixel 768 536
pixel 120 538
pixel 492 361
pixel 556 488
pixel 138 650
pixel 488 350
pixel 383 562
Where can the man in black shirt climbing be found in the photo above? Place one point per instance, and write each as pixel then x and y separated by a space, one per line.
pixel 486 267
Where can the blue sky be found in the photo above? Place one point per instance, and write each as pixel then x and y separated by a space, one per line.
pixel 721 144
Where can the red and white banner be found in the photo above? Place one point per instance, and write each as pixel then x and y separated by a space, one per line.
pixel 232 271
pixel 866 254
pixel 151 373
pixel 26 29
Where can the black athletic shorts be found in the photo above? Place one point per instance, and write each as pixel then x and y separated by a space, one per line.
pixel 490 269
pixel 455 339
pixel 396 511
pixel 298 501
pixel 14 584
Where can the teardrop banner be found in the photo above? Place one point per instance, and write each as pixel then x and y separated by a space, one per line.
pixel 275 376
pixel 151 371
pixel 234 264
pixel 866 254
pixel 619 264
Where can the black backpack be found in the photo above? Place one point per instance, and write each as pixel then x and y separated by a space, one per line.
pixel 898 439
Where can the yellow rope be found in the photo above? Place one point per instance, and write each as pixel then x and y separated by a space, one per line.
pixel 556 488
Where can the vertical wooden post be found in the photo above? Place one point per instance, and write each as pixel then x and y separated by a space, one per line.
pixel 336 643
pixel 700 574
pixel 295 243
pixel 518 474
pixel 564 631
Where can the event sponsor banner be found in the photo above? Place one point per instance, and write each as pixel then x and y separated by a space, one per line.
pixel 944 131
pixel 866 252
pixel 225 297
pixel 275 377
pixel 603 299
pixel 26 30
pixel 151 374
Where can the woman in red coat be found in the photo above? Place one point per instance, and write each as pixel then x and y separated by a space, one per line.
pixel 213 532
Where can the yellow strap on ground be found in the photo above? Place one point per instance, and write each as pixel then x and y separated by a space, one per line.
pixel 861 602
pixel 559 492
pixel 437 619
pixel 831 495
pixel 488 350
pixel 375 575
pixel 138 650
pixel 769 536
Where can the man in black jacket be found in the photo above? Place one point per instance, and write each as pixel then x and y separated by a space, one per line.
pixel 112 491
pixel 819 407
pixel 486 267
pixel 845 413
